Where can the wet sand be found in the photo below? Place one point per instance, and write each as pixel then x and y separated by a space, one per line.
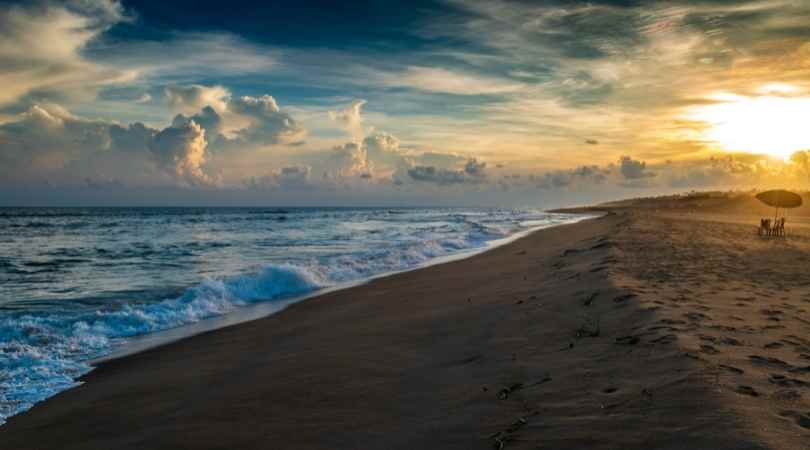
pixel 642 329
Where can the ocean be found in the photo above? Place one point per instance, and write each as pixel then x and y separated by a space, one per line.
pixel 77 284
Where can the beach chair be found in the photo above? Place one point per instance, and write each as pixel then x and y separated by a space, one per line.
pixel 765 227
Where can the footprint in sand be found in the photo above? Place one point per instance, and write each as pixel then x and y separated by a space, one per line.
pixel 802 420
pixel 628 340
pixel 801 370
pixel 709 350
pixel 787 395
pixel 784 381
pixel 730 341
pixel 772 314
pixel 696 316
pixel 665 339
pixel 768 361
pixel 746 390
pixel 623 298
pixel 731 369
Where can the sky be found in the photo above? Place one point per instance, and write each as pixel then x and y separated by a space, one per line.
pixel 449 102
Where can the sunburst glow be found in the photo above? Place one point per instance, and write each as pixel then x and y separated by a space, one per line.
pixel 769 124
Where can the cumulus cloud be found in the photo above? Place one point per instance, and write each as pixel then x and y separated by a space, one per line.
pixel 350 119
pixel 133 138
pixel 385 156
pixel 46 137
pixel 240 120
pixel 208 118
pixel 267 123
pixel 633 169
pixel 236 121
pixel 348 160
pixel 181 151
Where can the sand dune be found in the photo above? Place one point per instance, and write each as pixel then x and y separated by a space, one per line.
pixel 649 328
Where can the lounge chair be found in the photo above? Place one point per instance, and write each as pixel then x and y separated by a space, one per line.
pixel 765 227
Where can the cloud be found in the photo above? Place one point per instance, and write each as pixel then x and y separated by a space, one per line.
pixel 192 98
pixel 187 57
pixel 350 119
pixel 632 169
pixel 435 175
pixel 348 160
pixel 290 177
pixel 475 168
pixel 440 159
pixel 441 80
pixel 208 119
pixel 267 124
pixel 47 140
pixel 472 172
pixel 133 138
pixel 41 47
pixel 46 137
pixel 582 176
pixel 181 151
pixel 294 175
pixel 234 122
pixel 385 155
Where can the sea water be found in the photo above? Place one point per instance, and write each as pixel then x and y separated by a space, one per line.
pixel 78 283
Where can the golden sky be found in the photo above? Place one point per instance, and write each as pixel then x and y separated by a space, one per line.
pixel 446 102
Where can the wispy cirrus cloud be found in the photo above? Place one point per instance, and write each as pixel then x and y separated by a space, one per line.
pixel 447 81
pixel 41 49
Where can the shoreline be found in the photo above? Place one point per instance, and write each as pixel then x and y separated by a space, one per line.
pixel 260 310
pixel 565 338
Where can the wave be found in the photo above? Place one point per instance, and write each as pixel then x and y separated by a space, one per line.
pixel 45 351
pixel 43 354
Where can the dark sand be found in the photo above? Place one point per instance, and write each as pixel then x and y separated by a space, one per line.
pixel 643 329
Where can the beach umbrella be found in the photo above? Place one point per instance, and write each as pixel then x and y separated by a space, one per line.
pixel 780 198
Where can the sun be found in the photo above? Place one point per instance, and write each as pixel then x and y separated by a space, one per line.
pixel 774 123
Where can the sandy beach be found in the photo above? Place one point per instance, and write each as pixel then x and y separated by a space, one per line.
pixel 657 326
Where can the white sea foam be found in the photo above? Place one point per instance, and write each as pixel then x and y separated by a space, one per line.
pixel 44 351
